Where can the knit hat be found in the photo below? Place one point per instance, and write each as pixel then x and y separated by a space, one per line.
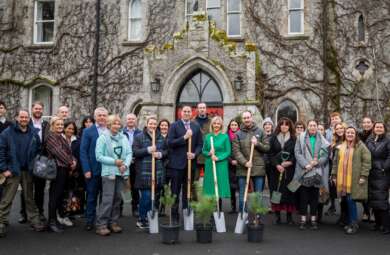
pixel 267 120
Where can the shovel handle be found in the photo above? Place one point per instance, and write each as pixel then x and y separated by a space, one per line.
pixel 153 168
pixel 215 176
pixel 189 168
pixel 248 176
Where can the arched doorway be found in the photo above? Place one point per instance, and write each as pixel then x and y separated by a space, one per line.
pixel 287 109
pixel 200 87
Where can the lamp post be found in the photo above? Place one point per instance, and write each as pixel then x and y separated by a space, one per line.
pixel 238 82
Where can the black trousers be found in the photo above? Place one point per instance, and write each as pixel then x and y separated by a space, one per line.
pixel 179 183
pixel 56 194
pixel 382 218
pixel 308 196
pixel 39 196
pixel 134 191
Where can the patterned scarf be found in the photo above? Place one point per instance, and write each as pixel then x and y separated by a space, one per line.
pixel 283 138
pixel 344 170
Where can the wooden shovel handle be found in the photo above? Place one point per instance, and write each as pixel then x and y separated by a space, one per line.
pixel 189 168
pixel 248 176
pixel 215 175
pixel 153 186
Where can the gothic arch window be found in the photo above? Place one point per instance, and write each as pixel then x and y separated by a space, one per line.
pixel 287 109
pixel 361 32
pixel 200 87
pixel 135 27
pixel 44 94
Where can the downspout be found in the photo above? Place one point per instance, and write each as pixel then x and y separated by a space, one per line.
pixel 325 59
pixel 96 57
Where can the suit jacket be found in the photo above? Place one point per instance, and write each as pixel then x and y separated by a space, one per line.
pixel 87 151
pixel 178 146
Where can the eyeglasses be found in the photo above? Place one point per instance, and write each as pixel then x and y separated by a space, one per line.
pixel 299 127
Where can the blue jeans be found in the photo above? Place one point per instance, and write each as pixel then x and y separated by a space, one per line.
pixel 93 187
pixel 258 182
pixel 145 203
pixel 352 209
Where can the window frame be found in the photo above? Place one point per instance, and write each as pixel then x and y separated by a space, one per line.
pixel 217 7
pixel 36 21
pixel 227 19
pixel 361 28
pixel 31 101
pixel 130 20
pixel 187 16
pixel 302 11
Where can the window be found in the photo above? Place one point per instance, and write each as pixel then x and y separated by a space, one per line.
pixel 191 7
pixel 287 109
pixel 295 17
pixel 361 33
pixel 234 18
pixel 200 87
pixel 43 94
pixel 135 20
pixel 214 11
pixel 44 21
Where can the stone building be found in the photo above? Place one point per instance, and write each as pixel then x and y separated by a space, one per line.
pixel 296 58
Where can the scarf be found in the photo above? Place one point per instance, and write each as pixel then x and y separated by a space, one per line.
pixel 344 170
pixel 283 138
pixel 232 134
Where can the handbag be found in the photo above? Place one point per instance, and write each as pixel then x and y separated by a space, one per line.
pixel 296 183
pixel 45 167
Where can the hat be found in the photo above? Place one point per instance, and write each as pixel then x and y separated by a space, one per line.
pixel 267 120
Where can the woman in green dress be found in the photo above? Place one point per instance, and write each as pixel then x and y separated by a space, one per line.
pixel 220 154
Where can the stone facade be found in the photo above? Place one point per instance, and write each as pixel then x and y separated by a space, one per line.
pixel 323 69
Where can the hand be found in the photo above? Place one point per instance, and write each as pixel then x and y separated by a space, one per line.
pixel 73 165
pixel 122 169
pixel 188 134
pixel 254 140
pixel 212 152
pixel 118 162
pixel 156 155
pixel 286 164
pixel 214 158
pixel 234 162
pixel 309 167
pixel 280 168
pixel 190 155
pixel 362 180
pixel 152 149
pixel 248 164
pixel 7 174
pixel 88 175
pixel 314 162
pixel 334 179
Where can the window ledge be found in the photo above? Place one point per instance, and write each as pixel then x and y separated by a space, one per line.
pixel 40 46
pixel 236 39
pixel 133 43
pixel 296 37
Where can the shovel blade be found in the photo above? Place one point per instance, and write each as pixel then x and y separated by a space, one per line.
pixel 219 219
pixel 153 222
pixel 188 216
pixel 241 222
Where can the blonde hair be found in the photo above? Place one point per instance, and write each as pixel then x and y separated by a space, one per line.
pixel 53 120
pixel 336 138
pixel 215 119
pixel 111 120
pixel 151 118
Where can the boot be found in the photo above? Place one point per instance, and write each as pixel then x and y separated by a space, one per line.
pixel 277 220
pixel 290 220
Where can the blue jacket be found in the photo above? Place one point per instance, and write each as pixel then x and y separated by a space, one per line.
pixel 8 147
pixel 178 146
pixel 107 156
pixel 87 151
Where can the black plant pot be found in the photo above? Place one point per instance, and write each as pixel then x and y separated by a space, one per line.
pixel 255 233
pixel 204 233
pixel 169 233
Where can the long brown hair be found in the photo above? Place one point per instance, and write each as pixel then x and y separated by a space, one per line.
pixel 291 127
pixel 335 138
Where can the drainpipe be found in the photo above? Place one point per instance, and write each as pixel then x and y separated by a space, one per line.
pixel 325 42
pixel 96 57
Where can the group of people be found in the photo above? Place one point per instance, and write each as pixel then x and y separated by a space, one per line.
pixel 107 157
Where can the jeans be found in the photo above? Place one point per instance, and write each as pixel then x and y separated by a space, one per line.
pixel 352 209
pixel 258 182
pixel 93 187
pixel 109 209
pixel 145 203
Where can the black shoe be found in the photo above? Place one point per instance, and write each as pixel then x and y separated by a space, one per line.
pixel 3 230
pixel 42 217
pixel 88 227
pixel 135 214
pixel 233 211
pixel 22 220
pixel 38 227
pixel 54 227
pixel 314 225
pixel 386 231
pixel 302 225
pixel 277 220
pixel 290 220
pixel 142 224
pixel 375 228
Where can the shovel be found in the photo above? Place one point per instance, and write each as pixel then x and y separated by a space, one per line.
pixel 276 196
pixel 152 215
pixel 188 213
pixel 243 215
pixel 219 217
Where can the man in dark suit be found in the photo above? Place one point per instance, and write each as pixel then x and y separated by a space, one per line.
pixel 42 127
pixel 4 123
pixel 131 131
pixel 91 168
pixel 179 134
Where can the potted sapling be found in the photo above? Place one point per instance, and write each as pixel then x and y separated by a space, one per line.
pixel 170 231
pixel 203 207
pixel 256 211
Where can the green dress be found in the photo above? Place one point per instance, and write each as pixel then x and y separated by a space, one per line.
pixel 222 149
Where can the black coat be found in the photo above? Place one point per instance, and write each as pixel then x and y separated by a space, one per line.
pixel 379 178
pixel 275 159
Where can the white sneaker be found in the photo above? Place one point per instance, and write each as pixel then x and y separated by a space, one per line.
pixel 65 221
